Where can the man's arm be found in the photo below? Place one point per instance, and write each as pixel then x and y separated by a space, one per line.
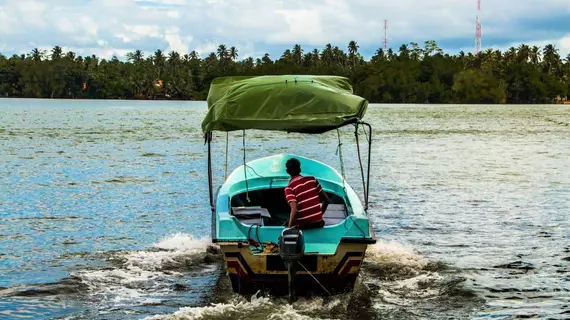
pixel 292 201
pixel 293 205
pixel 324 199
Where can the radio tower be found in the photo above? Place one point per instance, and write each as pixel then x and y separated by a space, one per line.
pixel 385 41
pixel 478 28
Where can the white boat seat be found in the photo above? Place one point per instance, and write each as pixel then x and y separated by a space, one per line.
pixel 335 214
pixel 250 215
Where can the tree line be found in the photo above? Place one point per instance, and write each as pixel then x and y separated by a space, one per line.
pixel 413 74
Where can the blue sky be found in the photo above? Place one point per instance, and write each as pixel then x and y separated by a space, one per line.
pixel 115 27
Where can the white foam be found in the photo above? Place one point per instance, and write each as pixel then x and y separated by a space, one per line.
pixel 184 242
pixel 394 252
pixel 172 252
pixel 143 275
pixel 258 308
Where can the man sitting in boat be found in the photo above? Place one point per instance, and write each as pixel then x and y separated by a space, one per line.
pixel 306 197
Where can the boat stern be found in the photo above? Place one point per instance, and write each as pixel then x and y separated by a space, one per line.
pixel 251 270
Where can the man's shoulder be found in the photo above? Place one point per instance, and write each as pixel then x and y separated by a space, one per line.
pixel 300 180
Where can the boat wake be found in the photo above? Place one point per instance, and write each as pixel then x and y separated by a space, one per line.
pixel 406 285
pixel 149 276
pixel 132 280
pixel 182 277
pixel 394 281
pixel 259 307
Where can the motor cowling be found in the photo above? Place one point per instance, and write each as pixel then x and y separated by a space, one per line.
pixel 291 250
pixel 291 244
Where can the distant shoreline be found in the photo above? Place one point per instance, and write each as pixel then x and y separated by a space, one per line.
pixel 410 74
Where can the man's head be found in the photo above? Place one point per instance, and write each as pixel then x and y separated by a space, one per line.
pixel 293 167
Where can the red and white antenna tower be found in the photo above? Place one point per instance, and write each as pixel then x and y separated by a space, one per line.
pixel 385 41
pixel 478 35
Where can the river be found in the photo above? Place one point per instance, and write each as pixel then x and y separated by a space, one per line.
pixel 104 213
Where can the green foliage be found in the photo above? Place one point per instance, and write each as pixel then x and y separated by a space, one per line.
pixel 413 74
pixel 474 86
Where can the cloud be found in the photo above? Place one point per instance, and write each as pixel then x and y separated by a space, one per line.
pixel 256 26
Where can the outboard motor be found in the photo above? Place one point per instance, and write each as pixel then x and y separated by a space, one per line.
pixel 291 250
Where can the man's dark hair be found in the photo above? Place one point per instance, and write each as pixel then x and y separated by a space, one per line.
pixel 293 167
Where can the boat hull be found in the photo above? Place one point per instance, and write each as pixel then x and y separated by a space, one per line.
pixel 250 272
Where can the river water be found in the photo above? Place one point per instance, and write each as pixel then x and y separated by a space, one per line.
pixel 104 213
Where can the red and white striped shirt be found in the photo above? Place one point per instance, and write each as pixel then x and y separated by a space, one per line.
pixel 305 191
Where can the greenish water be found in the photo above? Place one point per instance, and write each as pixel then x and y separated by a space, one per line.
pixel 104 213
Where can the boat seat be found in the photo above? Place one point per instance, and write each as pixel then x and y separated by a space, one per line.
pixel 250 215
pixel 335 214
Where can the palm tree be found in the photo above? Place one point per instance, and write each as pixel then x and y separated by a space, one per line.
pixel 70 56
pixel 535 55
pixel 233 53
pixel 379 56
pixel 551 59
pixel 416 50
pixel 523 53
pixel 136 56
pixel 315 58
pixel 327 54
pixel 352 50
pixel 390 54
pixel 173 57
pixel 158 58
pixel 404 51
pixel 266 59
pixel 297 54
pixel 287 56
pixel 37 54
pixel 222 52
pixel 510 55
pixel 308 60
pixel 56 53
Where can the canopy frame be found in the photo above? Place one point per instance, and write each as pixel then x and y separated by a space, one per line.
pixel 365 180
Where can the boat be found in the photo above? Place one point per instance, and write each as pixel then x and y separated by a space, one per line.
pixel 249 210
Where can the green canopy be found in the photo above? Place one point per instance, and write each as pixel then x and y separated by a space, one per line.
pixel 306 104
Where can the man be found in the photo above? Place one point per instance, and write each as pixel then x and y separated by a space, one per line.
pixel 306 197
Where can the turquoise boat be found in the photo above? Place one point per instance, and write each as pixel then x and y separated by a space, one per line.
pixel 249 210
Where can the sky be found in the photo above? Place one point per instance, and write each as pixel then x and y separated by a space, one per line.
pixel 254 27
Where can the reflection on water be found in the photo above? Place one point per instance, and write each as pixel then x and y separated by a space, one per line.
pixel 104 213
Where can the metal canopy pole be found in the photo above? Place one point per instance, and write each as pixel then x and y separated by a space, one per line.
pixel 210 184
pixel 364 188
pixel 369 156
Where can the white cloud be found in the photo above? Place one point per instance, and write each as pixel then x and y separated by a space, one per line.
pixel 174 14
pixel 204 49
pixel 140 30
pixel 175 43
pixel 302 26
pixel 255 26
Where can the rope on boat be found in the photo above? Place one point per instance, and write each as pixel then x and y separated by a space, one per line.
pixel 314 278
pixel 339 152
